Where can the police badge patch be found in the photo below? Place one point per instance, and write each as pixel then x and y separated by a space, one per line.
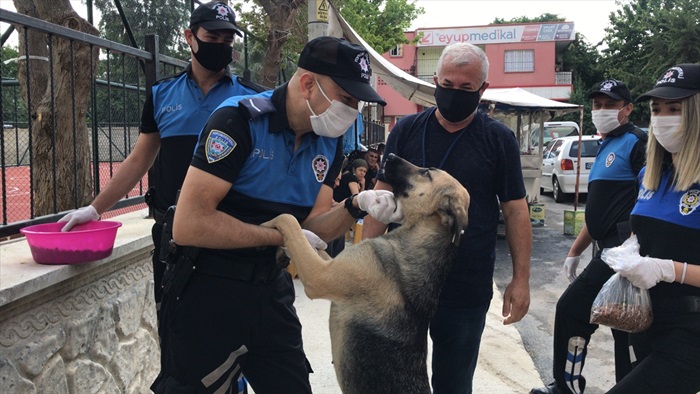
pixel 218 146
pixel 609 159
pixel 320 166
pixel 689 202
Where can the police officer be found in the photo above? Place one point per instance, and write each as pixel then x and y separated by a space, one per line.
pixel 666 222
pixel 612 192
pixel 175 111
pixel 257 157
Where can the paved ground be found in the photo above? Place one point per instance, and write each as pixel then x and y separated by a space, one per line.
pixel 504 366
pixel 547 282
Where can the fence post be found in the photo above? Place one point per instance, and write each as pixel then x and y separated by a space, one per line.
pixel 151 71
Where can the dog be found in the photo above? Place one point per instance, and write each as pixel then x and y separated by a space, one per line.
pixel 384 291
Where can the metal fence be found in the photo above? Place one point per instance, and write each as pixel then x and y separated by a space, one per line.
pixel 106 129
pixel 118 80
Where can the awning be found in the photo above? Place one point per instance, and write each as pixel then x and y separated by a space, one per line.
pixel 422 92
pixel 512 98
pixel 408 86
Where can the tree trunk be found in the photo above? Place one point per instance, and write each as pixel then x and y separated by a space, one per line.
pixel 281 14
pixel 58 120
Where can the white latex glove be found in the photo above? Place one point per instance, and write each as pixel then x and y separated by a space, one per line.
pixel 316 242
pixel 643 272
pixel 570 265
pixel 381 205
pixel 648 271
pixel 79 216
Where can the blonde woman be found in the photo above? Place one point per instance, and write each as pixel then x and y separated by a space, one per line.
pixel 666 221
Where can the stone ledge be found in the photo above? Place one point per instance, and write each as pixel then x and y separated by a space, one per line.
pixel 20 276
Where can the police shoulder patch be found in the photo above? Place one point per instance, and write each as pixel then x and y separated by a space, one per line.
pixel 219 145
pixel 257 105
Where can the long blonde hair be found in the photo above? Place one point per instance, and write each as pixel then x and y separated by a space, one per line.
pixel 687 161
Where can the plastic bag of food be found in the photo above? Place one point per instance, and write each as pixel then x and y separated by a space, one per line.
pixel 622 306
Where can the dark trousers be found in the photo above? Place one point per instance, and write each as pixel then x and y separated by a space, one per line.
pixel 573 330
pixel 220 327
pixel 668 356
pixel 336 246
pixel 456 335
pixel 158 266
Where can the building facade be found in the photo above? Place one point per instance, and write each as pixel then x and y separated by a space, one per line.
pixel 528 56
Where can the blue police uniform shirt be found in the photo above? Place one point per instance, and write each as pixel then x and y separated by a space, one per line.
pixel 247 142
pixel 485 158
pixel 177 109
pixel 667 224
pixel 612 184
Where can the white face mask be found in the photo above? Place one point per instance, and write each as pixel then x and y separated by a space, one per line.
pixel 665 129
pixel 335 121
pixel 605 120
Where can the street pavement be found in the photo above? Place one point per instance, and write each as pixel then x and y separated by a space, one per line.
pixel 504 365
pixel 547 283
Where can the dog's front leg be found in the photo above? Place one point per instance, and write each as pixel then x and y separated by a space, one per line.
pixel 310 266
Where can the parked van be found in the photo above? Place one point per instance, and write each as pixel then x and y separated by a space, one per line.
pixel 552 130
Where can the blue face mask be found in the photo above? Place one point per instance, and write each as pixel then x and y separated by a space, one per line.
pixel 455 105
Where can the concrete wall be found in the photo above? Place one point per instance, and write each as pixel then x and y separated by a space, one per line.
pixel 80 329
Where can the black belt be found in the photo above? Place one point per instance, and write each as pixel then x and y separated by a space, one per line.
pixel 677 304
pixel 609 242
pixel 246 272
pixel 158 215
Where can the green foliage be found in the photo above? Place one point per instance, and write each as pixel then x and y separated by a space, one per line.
pixel 578 96
pixel 381 23
pixel 165 18
pixel 14 112
pixel 546 17
pixel 646 37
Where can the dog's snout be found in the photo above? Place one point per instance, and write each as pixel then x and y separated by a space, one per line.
pixel 391 157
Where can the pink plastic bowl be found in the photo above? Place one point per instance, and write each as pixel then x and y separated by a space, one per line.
pixel 85 242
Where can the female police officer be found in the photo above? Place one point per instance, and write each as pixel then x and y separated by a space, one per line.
pixel 666 220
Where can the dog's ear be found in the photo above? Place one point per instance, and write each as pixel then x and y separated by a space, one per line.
pixel 453 216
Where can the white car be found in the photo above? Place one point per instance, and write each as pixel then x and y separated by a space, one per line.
pixel 559 162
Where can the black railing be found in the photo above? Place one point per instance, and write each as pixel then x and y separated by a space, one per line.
pixel 41 110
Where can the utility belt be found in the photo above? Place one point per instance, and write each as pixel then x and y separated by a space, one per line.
pixel 687 304
pixel 609 242
pixel 623 231
pixel 252 272
pixel 159 215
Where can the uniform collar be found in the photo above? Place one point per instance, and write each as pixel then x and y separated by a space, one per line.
pixel 278 120
pixel 227 72
pixel 620 130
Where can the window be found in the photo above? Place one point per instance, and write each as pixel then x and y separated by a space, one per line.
pixel 519 61
pixel 397 51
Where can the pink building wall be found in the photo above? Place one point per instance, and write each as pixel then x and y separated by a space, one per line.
pixel 545 60
pixel 397 105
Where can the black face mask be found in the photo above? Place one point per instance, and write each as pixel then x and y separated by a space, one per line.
pixel 213 56
pixel 456 105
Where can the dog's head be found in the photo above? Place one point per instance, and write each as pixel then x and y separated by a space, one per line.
pixel 424 192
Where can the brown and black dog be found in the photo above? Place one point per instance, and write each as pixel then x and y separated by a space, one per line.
pixel 384 291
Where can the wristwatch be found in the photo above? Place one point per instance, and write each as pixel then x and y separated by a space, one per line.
pixel 357 213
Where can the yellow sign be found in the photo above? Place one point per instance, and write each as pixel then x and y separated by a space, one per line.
pixel 322 10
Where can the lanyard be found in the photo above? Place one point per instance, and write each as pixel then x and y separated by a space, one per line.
pixel 449 149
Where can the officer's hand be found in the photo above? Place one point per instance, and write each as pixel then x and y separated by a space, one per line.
pixel 316 242
pixel 570 265
pixel 381 205
pixel 646 272
pixel 79 216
